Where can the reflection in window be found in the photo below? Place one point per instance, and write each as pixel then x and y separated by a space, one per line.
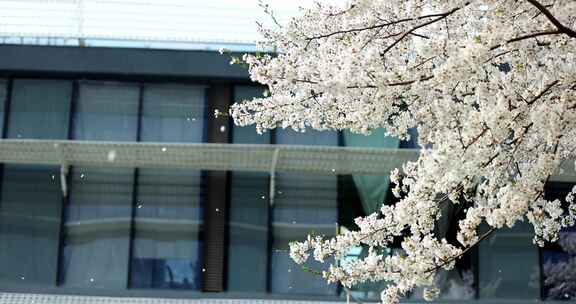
pixel 248 232
pixel 559 258
pixel 304 204
pixel 167 224
pixel 106 111
pixel 366 290
pixel 31 195
pixel 559 267
pixel 98 215
pixel 167 219
pixel 40 109
pixel 97 228
pixel 173 113
pixel 29 224
pixel 508 265
pixel 248 224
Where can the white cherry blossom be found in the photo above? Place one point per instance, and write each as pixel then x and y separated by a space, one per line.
pixel 490 86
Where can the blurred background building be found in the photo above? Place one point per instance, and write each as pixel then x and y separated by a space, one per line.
pixel 118 184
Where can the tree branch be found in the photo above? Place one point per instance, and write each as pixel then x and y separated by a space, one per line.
pixel 381 25
pixel 446 262
pixel 440 17
pixel 561 27
pixel 548 87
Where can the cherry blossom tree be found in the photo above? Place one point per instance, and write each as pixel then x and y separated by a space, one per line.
pixel 490 86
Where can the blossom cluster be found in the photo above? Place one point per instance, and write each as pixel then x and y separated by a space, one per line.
pixel 490 86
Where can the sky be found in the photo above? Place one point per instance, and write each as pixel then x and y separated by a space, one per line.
pixel 148 23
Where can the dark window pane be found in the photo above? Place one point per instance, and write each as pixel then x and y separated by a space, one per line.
pixel 106 111
pixel 248 245
pixel 559 267
pixel 248 134
pixel 559 258
pixel 31 195
pixel 40 109
pixel 248 226
pixel 29 224
pixel 168 220
pixel 168 212
pixel 173 113
pixel 508 265
pixel 310 137
pixel 97 228
pixel 98 215
pixel 304 204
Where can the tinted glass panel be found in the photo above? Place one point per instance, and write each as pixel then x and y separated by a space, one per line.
pixel 97 228
pixel 29 224
pixel 40 109
pixel 559 267
pixel 106 111
pixel 559 258
pixel 304 204
pixel 508 265
pixel 173 113
pixel 98 215
pixel 248 239
pixel 168 220
pixel 168 212
pixel 31 195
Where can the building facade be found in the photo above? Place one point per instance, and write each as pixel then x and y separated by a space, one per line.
pixel 114 232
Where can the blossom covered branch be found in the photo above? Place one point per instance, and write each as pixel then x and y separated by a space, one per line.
pixel 490 86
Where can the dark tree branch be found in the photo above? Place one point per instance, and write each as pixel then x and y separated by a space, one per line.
pixel 411 31
pixel 438 17
pixel 548 87
pixel 446 262
pixel 561 27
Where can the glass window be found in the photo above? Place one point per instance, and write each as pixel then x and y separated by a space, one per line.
pixel 559 267
pixel 98 227
pixel 106 111
pixel 98 215
pixel 39 109
pixel 167 248
pixel 559 258
pixel 304 204
pixel 248 224
pixel 31 195
pixel 173 113
pixel 168 213
pixel 509 265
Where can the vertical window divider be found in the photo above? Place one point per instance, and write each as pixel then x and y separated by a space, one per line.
pixel 215 202
pixel 270 233
pixel 476 272
pixel 134 191
pixel 7 103
pixel 339 203
pixel 66 198
pixel 541 273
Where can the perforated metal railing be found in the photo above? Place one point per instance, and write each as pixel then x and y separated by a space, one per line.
pixel 204 156
pixel 235 157
pixel 33 298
